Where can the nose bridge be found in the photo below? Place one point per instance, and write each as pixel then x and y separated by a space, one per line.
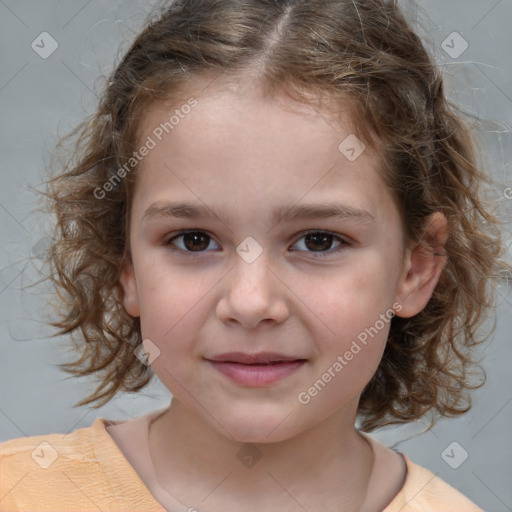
pixel 253 293
pixel 252 275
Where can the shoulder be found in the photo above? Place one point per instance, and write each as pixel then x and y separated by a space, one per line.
pixel 424 491
pixel 42 451
pixel 81 470
pixel 34 467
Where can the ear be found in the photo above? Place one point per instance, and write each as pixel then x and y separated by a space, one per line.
pixel 128 285
pixel 423 265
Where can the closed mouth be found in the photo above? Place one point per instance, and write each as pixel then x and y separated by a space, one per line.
pixel 259 359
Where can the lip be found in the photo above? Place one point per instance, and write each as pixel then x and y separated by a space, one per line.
pixel 256 370
pixel 257 358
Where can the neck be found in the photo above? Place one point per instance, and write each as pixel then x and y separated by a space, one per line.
pixel 328 464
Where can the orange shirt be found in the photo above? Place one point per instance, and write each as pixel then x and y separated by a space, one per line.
pixel 86 471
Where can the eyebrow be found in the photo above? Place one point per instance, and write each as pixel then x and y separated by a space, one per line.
pixel 285 213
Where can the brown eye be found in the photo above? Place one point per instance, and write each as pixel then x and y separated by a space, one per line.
pixel 320 242
pixel 191 241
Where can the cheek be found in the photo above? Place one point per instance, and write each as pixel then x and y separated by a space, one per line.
pixel 352 298
pixel 165 291
pixel 348 360
pixel 350 326
pixel 348 356
pixel 173 305
pixel 342 379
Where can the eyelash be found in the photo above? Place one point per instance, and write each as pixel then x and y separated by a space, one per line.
pixel 320 254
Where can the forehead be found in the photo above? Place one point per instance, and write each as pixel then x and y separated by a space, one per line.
pixel 231 142
pixel 238 107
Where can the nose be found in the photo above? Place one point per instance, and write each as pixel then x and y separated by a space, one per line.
pixel 253 295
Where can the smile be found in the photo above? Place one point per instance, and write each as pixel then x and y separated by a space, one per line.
pixel 258 370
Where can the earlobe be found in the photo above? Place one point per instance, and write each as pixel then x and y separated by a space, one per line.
pixel 423 266
pixel 128 283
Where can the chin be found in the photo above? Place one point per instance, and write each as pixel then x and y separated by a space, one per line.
pixel 259 427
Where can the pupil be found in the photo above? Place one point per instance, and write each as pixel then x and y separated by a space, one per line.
pixel 322 238
pixel 199 241
pixel 192 241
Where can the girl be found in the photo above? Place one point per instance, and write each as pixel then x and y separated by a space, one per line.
pixel 276 211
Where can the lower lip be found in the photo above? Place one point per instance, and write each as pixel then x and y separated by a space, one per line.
pixel 252 375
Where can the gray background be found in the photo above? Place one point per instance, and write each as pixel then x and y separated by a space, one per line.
pixel 42 99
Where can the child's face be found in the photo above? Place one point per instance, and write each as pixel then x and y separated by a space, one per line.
pixel 307 298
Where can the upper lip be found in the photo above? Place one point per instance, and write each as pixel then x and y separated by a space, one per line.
pixel 260 357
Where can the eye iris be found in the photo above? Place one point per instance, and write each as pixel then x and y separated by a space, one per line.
pixel 192 241
pixel 197 241
pixel 318 238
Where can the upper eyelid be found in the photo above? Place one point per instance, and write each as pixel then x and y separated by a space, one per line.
pixel 337 236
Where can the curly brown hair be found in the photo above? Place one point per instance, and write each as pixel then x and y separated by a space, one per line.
pixel 364 51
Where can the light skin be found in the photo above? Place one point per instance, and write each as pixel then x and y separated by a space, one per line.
pixel 246 156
